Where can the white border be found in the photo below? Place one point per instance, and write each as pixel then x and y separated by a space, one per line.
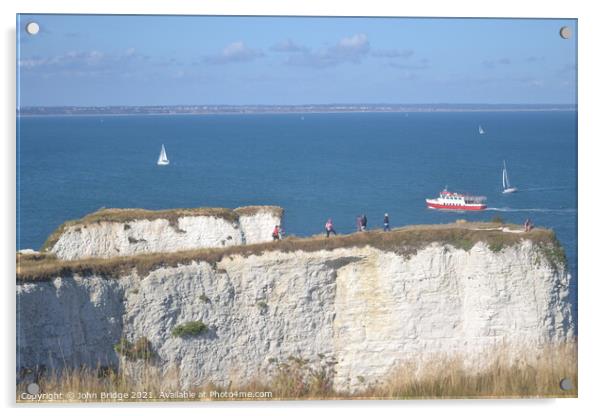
pixel 589 197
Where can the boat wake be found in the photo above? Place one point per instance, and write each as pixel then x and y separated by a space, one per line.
pixel 545 189
pixel 543 210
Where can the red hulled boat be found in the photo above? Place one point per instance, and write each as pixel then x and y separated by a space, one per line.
pixel 456 201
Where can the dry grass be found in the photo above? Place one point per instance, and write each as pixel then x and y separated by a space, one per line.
pixel 124 215
pixel 256 209
pixel 404 241
pixel 505 377
pixel 296 379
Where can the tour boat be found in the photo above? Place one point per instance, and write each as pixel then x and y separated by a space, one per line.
pixel 163 157
pixel 456 201
pixel 506 182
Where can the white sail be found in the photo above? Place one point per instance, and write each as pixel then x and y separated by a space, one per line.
pixel 481 131
pixel 163 157
pixel 506 182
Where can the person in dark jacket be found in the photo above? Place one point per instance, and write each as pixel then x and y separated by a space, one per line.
pixel 364 222
pixel 386 226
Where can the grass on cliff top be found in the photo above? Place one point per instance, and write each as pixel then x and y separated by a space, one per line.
pixel 404 241
pixel 125 215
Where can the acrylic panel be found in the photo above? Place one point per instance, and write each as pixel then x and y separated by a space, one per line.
pixel 283 208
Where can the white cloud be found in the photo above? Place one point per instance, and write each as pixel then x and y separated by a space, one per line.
pixel 82 63
pixel 348 49
pixel 288 46
pixel 234 52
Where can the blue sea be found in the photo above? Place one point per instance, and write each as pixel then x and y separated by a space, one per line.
pixel 316 166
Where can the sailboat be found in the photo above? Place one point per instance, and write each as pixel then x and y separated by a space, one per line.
pixel 481 131
pixel 506 182
pixel 163 161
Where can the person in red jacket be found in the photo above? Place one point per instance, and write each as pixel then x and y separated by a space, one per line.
pixel 276 233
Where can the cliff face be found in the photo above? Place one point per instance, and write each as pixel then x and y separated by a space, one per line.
pixel 370 309
pixel 111 233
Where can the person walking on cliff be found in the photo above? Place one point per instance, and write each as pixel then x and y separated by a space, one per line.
pixel 329 228
pixel 386 226
pixel 358 223
pixel 364 223
pixel 276 233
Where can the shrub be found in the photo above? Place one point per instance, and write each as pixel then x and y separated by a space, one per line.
pixel 189 329
pixel 554 253
pixel 462 243
pixel 496 246
pixel 141 349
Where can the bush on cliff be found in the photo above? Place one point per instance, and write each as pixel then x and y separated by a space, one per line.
pixel 189 329
pixel 141 349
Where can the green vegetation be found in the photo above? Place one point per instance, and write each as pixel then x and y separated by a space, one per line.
pixel 125 215
pixel 189 329
pixel 496 243
pixel 404 241
pixel 141 349
pixel 262 305
pixel 462 243
pixel 554 253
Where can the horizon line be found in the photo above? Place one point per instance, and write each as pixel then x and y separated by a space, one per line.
pixel 297 105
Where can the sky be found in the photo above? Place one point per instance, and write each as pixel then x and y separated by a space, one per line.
pixel 101 60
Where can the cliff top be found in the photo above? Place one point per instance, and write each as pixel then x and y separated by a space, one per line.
pixel 124 215
pixel 405 241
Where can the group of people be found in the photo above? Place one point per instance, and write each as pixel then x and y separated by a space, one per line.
pixel 361 222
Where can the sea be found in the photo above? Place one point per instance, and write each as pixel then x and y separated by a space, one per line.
pixel 315 165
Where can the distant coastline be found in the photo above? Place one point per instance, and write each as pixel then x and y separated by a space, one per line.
pixel 283 109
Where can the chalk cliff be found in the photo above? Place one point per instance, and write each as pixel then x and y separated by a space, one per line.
pixel 370 301
pixel 125 232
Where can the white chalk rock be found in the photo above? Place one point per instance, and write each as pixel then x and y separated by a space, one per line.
pixel 368 309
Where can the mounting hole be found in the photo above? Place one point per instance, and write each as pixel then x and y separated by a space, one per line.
pixel 565 32
pixel 566 384
pixel 33 388
pixel 32 28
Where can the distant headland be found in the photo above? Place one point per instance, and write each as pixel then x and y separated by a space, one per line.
pixel 284 109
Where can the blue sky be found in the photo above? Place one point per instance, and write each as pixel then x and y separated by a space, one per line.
pixel 170 60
